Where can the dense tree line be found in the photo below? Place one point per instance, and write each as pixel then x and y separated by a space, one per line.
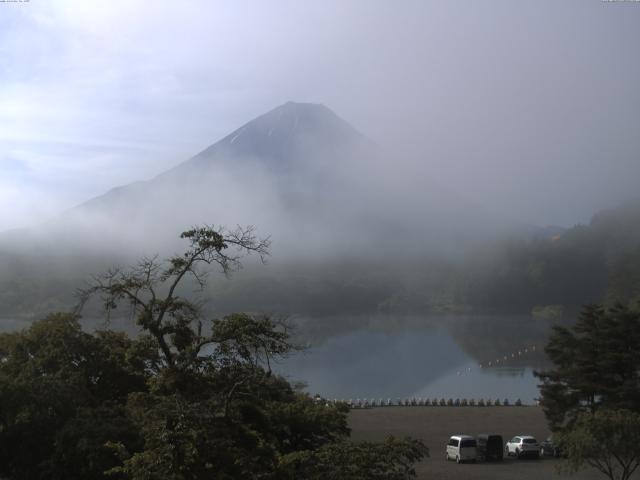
pixel 551 274
pixel 594 263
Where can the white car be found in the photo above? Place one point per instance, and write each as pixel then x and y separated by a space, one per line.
pixel 523 445
pixel 461 448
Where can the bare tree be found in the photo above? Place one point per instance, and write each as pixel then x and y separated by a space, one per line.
pixel 152 287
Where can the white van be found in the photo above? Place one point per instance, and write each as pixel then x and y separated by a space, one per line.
pixel 461 448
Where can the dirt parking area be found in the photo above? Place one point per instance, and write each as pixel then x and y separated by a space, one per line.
pixel 434 425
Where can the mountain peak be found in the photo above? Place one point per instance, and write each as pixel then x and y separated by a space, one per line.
pixel 304 108
pixel 290 132
pixel 294 118
pixel 302 105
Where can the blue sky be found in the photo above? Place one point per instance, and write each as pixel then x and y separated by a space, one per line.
pixel 530 108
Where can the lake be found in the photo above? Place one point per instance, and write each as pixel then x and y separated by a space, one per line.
pixel 374 357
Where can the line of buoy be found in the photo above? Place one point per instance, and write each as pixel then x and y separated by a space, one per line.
pixel 420 402
pixel 500 360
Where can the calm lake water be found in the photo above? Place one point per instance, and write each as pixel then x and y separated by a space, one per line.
pixel 423 357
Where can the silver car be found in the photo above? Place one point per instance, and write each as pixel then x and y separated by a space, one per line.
pixel 523 445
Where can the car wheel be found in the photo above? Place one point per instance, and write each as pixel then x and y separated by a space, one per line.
pixel 458 459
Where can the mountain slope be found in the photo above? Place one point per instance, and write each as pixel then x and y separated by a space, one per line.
pixel 336 205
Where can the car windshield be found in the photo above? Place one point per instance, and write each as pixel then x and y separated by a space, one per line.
pixel 529 440
pixel 468 443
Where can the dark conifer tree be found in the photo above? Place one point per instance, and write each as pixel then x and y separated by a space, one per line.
pixel 596 364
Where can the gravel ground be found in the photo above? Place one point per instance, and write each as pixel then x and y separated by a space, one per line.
pixel 434 425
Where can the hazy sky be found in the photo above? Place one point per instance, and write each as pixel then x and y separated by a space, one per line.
pixel 530 108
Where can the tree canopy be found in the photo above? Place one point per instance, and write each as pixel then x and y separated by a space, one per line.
pixel 606 440
pixel 596 364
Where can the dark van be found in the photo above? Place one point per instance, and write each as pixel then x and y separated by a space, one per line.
pixel 490 447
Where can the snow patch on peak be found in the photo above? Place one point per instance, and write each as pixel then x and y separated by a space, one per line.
pixel 233 139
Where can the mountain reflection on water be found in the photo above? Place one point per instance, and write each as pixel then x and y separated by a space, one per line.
pixel 394 357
